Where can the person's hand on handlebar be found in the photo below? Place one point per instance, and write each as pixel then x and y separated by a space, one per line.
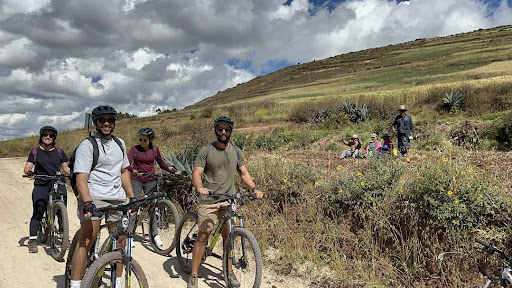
pixel 135 208
pixel 257 192
pixel 173 170
pixel 88 209
pixel 136 173
pixel 204 191
pixel 30 175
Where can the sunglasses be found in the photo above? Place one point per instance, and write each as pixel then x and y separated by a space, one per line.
pixel 48 134
pixel 143 140
pixel 109 120
pixel 228 130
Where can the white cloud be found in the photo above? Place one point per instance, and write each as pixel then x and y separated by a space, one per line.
pixel 170 54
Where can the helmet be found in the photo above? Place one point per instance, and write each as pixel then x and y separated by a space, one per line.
pixel 147 132
pixel 103 110
pixel 48 128
pixel 224 119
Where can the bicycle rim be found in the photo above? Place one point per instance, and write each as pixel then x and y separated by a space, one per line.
pixel 102 273
pixel 186 237
pixel 246 256
pixel 59 232
pixel 42 234
pixel 167 220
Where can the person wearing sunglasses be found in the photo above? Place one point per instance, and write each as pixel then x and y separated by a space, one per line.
pixel 108 183
pixel 142 158
pixel 47 159
pixel 215 168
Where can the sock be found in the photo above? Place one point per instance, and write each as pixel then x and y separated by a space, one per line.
pixel 75 283
pixel 118 282
pixel 32 237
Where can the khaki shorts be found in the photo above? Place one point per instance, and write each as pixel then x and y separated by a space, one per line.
pixel 209 215
pixel 110 216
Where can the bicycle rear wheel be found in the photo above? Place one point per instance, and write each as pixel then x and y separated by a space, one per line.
pixel 59 232
pixel 101 273
pixel 246 257
pixel 185 238
pixel 167 219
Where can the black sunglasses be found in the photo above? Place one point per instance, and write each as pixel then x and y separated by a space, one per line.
pixel 145 140
pixel 228 130
pixel 110 120
pixel 48 134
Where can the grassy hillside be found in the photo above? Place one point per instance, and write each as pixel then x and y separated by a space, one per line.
pixel 393 222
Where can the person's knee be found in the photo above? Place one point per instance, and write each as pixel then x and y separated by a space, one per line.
pixel 202 237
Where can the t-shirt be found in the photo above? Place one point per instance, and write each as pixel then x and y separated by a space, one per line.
pixel 105 180
pixel 144 162
pixel 219 170
pixel 47 163
pixel 373 146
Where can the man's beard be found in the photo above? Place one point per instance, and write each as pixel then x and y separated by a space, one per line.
pixel 223 141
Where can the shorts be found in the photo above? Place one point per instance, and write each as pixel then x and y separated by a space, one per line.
pixel 110 216
pixel 209 215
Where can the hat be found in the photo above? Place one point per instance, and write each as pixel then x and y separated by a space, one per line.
pixel 385 135
pixel 355 136
pixel 373 135
pixel 402 107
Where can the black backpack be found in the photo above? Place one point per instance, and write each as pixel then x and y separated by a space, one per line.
pixel 95 155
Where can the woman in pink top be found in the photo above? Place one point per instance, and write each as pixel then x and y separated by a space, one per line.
pixel 374 148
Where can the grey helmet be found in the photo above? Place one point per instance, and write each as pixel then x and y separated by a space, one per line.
pixel 103 110
pixel 147 132
pixel 224 119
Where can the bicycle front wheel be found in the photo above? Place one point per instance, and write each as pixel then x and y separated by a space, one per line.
pixel 42 234
pixel 185 239
pixel 59 232
pixel 245 256
pixel 69 259
pixel 165 219
pixel 102 273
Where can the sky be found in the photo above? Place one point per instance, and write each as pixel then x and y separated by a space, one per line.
pixel 61 58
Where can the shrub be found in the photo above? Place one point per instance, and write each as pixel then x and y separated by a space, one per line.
pixel 501 132
pixel 452 103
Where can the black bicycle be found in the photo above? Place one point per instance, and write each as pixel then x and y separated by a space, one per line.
pixel 505 279
pixel 241 252
pixel 54 227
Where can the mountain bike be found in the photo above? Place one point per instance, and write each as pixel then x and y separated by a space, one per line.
pixel 102 260
pixel 162 216
pixel 54 227
pixel 505 279
pixel 241 247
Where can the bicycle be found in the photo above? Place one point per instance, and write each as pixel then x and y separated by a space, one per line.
pixel 241 247
pixel 505 279
pixel 101 260
pixel 58 235
pixel 163 216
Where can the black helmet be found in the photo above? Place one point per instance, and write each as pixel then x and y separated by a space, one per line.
pixel 147 132
pixel 224 119
pixel 103 110
pixel 48 128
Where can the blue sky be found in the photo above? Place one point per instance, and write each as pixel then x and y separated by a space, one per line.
pixel 61 58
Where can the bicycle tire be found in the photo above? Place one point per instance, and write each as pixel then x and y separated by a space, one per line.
pixel 42 234
pixel 249 265
pixel 59 238
pixel 185 239
pixel 69 259
pixel 98 274
pixel 168 220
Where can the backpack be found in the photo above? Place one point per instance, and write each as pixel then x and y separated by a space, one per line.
pixel 95 155
pixel 237 150
pixel 34 152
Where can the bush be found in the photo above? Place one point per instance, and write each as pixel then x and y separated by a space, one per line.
pixel 501 132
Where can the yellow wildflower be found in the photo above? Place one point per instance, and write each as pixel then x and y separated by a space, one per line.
pixel 450 192
pixel 408 159
pixel 245 159
pixel 340 191
pixel 285 180
pixel 469 185
pixel 359 174
pixel 338 168
pixel 424 156
pixel 455 201
pixel 471 170
pixel 362 183
pixel 445 159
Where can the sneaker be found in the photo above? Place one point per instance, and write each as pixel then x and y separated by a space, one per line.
pixel 192 281
pixel 232 280
pixel 158 241
pixel 32 246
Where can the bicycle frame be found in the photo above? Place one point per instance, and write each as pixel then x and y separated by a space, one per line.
pixel 505 278
pixel 218 231
pixel 55 195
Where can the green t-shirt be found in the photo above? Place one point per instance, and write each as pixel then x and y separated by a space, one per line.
pixel 219 170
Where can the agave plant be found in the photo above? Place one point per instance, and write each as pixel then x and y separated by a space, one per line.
pixel 322 115
pixel 348 107
pixel 452 102
pixel 366 113
pixel 183 163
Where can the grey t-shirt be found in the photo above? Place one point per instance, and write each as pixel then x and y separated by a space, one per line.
pixel 105 179
pixel 220 167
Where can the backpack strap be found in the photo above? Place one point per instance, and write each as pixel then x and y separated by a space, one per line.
pixel 118 143
pixel 60 153
pixel 95 151
pixel 34 152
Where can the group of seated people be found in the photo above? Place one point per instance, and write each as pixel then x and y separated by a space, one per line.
pixel 374 149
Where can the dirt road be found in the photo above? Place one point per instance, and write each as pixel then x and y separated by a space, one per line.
pixel 21 269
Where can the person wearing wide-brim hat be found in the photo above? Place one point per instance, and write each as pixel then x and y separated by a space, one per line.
pixel 387 144
pixel 404 128
pixel 355 147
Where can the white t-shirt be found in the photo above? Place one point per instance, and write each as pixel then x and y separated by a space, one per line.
pixel 105 180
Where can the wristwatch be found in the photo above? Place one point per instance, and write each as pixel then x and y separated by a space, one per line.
pixel 255 188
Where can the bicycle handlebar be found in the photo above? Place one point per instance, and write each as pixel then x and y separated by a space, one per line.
pixel 491 250
pixel 149 175
pixel 46 177
pixel 234 196
pixel 125 207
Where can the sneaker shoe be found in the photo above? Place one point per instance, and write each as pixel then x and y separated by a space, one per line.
pixel 232 280
pixel 192 281
pixel 158 241
pixel 32 246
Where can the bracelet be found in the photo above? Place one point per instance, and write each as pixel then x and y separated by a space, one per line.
pixel 255 188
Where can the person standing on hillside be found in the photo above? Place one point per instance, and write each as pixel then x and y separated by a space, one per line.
pixel 45 160
pixel 215 168
pixel 404 128
pixel 143 157
pixel 108 183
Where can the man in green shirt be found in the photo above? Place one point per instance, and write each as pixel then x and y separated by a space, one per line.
pixel 215 168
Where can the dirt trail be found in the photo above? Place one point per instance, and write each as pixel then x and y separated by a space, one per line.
pixel 21 269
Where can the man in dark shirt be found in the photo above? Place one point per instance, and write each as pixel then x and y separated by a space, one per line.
pixel 404 128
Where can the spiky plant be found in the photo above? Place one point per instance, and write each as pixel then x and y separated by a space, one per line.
pixel 452 102
pixel 180 189
pixel 322 115
pixel 348 107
